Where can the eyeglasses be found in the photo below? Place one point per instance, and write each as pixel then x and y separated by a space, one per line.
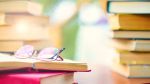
pixel 50 53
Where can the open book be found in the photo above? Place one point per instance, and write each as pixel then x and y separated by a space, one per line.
pixel 8 62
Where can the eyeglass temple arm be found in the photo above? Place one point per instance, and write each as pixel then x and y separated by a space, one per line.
pixel 56 54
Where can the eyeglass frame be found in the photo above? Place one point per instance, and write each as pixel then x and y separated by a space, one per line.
pixel 34 53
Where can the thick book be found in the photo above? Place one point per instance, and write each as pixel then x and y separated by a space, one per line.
pixel 129 7
pixel 39 44
pixel 119 79
pixel 125 57
pixel 130 21
pixel 7 61
pixel 23 32
pixel 131 45
pixel 131 70
pixel 10 46
pixel 16 0
pixel 13 19
pixel 14 45
pixel 131 34
pixel 37 78
pixel 21 7
pixel 2 18
pixel 130 0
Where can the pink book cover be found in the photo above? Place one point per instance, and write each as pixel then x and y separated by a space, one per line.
pixel 27 77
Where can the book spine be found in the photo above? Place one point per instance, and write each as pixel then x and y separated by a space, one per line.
pixel 110 1
pixel 130 0
pixel 108 6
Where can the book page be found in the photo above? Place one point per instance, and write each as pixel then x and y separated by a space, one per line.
pixel 11 58
pixel 12 61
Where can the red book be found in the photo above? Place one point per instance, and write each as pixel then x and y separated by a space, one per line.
pixel 37 78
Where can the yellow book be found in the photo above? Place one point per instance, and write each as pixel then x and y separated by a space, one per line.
pixel 119 79
pixel 131 34
pixel 39 44
pixel 21 7
pixel 126 57
pixel 14 45
pixel 23 32
pixel 12 62
pixel 130 22
pixel 132 70
pixel 14 19
pixel 128 6
pixel 2 18
pixel 131 45
pixel 10 46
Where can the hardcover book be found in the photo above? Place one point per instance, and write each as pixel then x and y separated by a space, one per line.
pixel 131 45
pixel 119 79
pixel 131 34
pixel 130 0
pixel 129 7
pixel 132 70
pixel 126 57
pixel 23 32
pixel 39 44
pixel 130 22
pixel 37 78
pixel 2 18
pixel 12 46
pixel 13 19
pixel 20 7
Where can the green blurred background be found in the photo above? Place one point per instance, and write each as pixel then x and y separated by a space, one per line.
pixel 70 28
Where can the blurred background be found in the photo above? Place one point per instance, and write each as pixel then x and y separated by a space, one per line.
pixel 81 26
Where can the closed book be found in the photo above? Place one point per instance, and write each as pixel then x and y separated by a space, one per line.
pixel 119 79
pixel 16 0
pixel 131 45
pixel 129 7
pixel 14 45
pixel 130 22
pixel 132 70
pixel 131 34
pixel 39 44
pixel 37 78
pixel 10 46
pixel 21 7
pixel 14 19
pixel 126 57
pixel 23 32
pixel 14 62
pixel 130 0
pixel 2 18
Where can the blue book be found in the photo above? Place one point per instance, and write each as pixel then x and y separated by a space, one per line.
pixel 128 6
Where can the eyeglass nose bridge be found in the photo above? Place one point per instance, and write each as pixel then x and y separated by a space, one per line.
pixel 34 54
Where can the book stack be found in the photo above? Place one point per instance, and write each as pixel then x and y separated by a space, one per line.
pixel 22 22
pixel 130 22
pixel 14 70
